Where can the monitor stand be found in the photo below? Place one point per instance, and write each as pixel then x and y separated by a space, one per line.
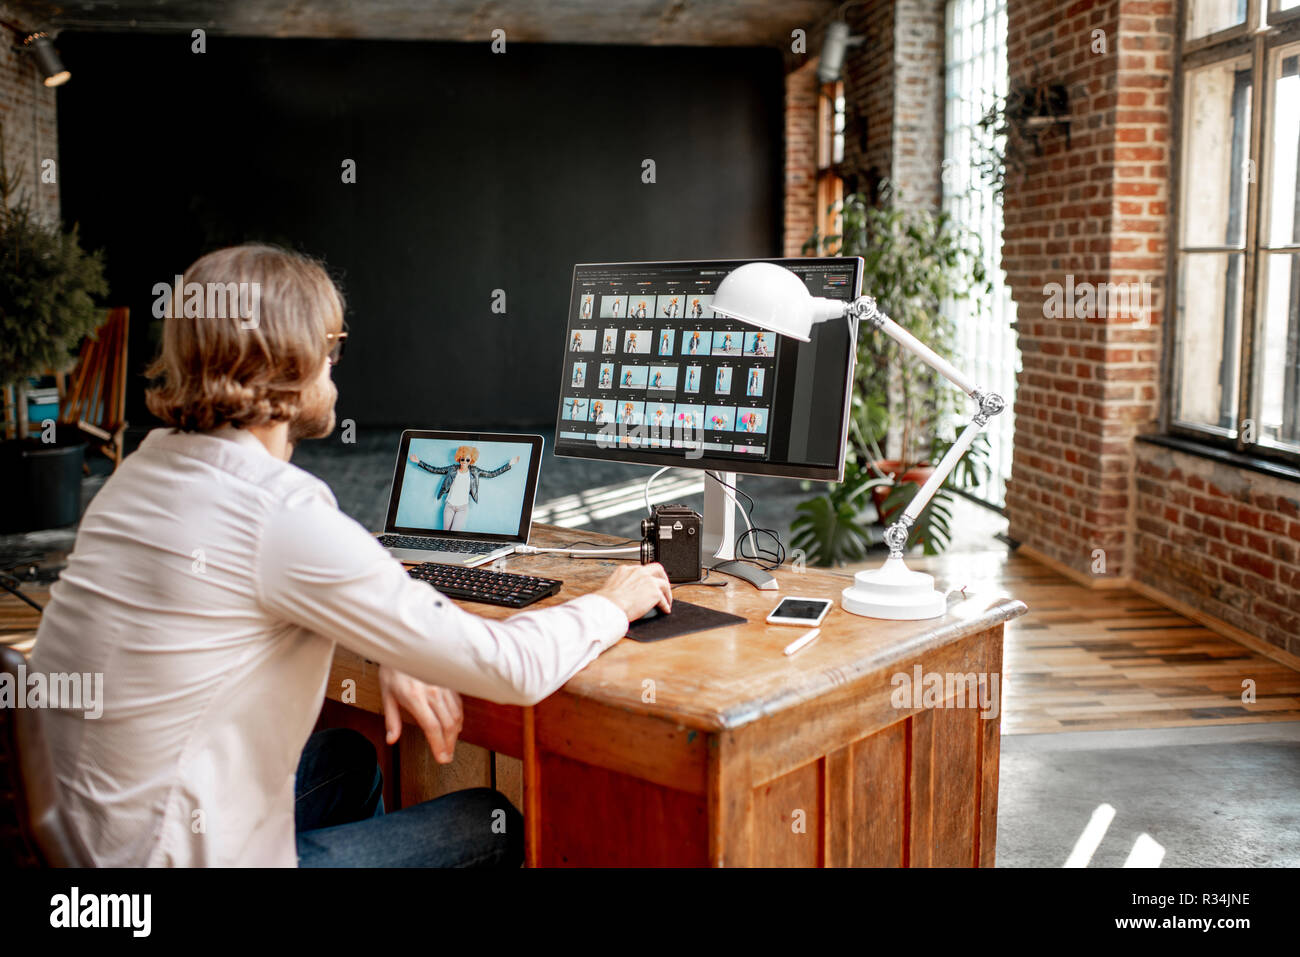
pixel 718 546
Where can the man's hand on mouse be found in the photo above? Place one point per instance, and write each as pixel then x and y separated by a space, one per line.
pixel 436 710
pixel 638 588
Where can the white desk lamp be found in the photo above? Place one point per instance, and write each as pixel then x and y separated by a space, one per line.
pixel 773 298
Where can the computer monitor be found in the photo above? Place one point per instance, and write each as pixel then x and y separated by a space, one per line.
pixel 652 376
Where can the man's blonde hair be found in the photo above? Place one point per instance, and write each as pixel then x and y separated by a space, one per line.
pixel 219 371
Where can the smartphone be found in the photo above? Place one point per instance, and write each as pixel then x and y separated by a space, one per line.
pixel 799 611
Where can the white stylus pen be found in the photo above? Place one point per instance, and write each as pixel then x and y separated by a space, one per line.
pixel 803 641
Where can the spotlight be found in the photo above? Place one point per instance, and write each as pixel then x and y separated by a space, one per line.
pixel 47 59
pixel 833 47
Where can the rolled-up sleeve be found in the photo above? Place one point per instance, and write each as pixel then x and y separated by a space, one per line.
pixel 321 570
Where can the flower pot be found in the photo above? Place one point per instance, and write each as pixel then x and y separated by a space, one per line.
pixel 917 473
pixel 40 484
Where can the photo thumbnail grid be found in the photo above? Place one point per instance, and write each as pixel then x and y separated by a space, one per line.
pixel 663 363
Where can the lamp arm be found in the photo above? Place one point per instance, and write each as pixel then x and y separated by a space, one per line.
pixel 900 530
pixel 990 404
pixel 866 309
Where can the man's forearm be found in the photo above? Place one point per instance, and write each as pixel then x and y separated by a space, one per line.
pixel 322 571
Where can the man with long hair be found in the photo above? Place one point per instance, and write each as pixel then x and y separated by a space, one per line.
pixel 210 582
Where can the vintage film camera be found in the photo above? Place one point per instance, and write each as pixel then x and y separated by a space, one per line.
pixel 672 538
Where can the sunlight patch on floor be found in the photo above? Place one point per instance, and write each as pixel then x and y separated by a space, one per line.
pixel 582 508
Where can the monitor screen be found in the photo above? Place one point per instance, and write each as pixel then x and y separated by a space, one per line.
pixel 651 375
pixel 464 485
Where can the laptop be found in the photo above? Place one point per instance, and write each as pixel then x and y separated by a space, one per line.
pixel 461 498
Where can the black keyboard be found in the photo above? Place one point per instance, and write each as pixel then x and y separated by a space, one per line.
pixel 485 585
pixel 438 544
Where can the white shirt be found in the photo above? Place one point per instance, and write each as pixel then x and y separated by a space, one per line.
pixel 458 495
pixel 209 584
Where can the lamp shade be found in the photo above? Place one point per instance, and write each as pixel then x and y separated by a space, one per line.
pixel 773 298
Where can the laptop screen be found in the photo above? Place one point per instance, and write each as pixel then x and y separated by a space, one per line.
pixel 465 485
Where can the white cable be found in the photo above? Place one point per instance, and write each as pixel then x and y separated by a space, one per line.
pixel 726 490
pixel 586 552
pixel 648 509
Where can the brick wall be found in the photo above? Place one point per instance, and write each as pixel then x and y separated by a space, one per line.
pixel 801 92
pixel 918 101
pixel 893 92
pixel 1221 539
pixel 28 114
pixel 869 99
pixel 1093 211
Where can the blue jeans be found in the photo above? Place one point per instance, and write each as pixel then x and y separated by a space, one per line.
pixel 340 820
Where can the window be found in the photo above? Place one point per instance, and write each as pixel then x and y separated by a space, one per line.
pixel 1279 10
pixel 830 153
pixel 1206 18
pixel 1235 369
pixel 975 65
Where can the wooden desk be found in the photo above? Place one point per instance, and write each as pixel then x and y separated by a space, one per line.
pixel 716 749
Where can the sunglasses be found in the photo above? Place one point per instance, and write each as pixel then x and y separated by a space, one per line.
pixel 336 350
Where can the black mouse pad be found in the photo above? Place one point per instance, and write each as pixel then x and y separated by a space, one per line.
pixel 684 619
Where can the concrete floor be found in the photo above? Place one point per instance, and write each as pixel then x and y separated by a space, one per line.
pixel 1226 796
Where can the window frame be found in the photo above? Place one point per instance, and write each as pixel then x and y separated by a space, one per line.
pixel 830 185
pixel 1245 28
pixel 1259 45
pixel 1276 16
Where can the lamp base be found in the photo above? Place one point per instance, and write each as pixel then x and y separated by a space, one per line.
pixel 894 592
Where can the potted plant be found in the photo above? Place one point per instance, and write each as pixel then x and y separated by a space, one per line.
pixel 48 286
pixel 899 425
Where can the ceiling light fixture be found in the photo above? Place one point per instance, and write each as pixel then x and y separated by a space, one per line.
pixel 47 59
pixel 836 43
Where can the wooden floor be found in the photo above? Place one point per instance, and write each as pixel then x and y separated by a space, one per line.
pixel 1081 660
pixel 1091 660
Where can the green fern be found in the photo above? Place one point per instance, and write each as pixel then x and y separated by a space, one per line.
pixel 837 526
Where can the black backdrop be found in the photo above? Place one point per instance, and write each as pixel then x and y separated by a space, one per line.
pixel 475 171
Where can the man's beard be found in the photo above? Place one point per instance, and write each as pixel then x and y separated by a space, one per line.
pixel 315 418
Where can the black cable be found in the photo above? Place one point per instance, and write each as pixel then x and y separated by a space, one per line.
pixel 774 558
pixel 722 583
pixel 13 590
pixel 738 491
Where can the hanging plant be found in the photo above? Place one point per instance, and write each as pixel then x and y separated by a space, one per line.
pixel 1013 127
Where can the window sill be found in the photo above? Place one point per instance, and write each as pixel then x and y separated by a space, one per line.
pixel 1250 463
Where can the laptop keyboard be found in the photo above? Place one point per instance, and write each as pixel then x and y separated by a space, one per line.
pixel 485 585
pixel 439 544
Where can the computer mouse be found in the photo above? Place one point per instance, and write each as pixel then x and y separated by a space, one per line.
pixel 654 612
